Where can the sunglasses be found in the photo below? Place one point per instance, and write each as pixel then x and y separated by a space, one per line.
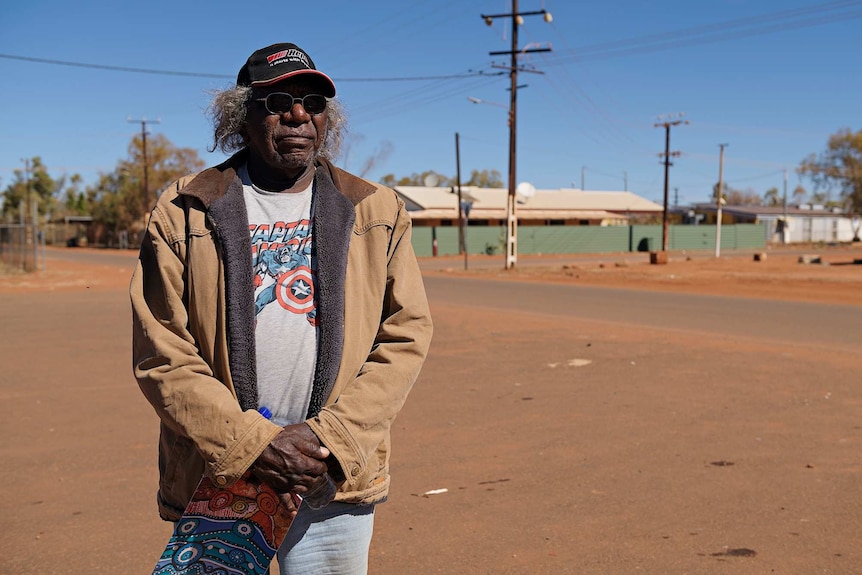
pixel 281 102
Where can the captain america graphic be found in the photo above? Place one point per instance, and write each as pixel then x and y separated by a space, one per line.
pixel 283 270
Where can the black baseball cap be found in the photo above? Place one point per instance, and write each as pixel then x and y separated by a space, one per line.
pixel 279 62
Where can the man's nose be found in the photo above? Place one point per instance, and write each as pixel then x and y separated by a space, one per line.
pixel 297 113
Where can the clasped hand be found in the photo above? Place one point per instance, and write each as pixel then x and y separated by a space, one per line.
pixel 293 461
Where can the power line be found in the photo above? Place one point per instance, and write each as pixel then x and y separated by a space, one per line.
pixel 721 26
pixel 111 68
pixel 709 33
pixel 227 76
pixel 569 90
pixel 389 31
pixel 670 40
pixel 416 97
pixel 418 78
pixel 760 177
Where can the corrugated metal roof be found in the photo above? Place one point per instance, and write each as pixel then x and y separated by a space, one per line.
pixel 500 214
pixel 792 210
pixel 434 198
pixel 563 200
pixel 568 199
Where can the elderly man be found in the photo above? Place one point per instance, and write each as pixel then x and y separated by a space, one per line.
pixel 276 279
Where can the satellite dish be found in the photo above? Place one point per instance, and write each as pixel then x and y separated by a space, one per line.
pixel 431 180
pixel 526 190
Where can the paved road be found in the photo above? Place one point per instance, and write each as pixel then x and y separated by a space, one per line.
pixel 119 258
pixel 797 322
pixel 127 257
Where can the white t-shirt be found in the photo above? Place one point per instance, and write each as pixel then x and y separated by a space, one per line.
pixel 281 227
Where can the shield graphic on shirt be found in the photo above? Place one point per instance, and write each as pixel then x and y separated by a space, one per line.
pixel 295 290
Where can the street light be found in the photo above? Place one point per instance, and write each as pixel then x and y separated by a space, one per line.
pixel 480 101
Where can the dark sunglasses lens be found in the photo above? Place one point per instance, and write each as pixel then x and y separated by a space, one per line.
pixel 314 103
pixel 282 103
pixel 279 103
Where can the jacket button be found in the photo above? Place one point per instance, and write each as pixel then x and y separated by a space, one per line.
pixel 354 471
pixel 221 480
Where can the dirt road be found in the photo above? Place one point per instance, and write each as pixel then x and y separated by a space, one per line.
pixel 567 443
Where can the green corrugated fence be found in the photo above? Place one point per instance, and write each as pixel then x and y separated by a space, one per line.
pixel 588 239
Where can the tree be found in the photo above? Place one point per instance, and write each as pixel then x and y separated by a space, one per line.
pixel 485 179
pixel 772 197
pixel 379 156
pixel 165 163
pixel 116 204
pixel 838 167
pixel 478 178
pixel 28 187
pixel 118 201
pixel 820 198
pixel 74 200
pixel 389 180
pixel 746 197
pixel 428 177
pixel 733 197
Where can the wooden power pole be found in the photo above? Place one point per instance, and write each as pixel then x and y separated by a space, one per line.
pixel 667 155
pixel 145 192
pixel 511 217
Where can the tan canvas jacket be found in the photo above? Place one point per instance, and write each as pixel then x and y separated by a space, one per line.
pixel 193 334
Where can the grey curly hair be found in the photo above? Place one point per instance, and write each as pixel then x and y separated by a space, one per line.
pixel 227 111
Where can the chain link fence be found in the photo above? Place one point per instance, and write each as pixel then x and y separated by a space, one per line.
pixel 22 246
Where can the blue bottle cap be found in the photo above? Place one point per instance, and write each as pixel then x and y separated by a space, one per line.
pixel 264 411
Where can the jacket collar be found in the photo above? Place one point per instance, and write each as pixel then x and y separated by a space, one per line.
pixel 212 183
pixel 353 188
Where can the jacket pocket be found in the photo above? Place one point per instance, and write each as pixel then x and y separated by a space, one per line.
pixel 183 469
pixel 381 224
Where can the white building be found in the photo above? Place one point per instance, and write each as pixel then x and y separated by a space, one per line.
pixel 804 223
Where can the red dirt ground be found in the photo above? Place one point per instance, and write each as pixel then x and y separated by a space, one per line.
pixel 565 445
pixel 778 275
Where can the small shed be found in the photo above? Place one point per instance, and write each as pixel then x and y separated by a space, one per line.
pixel 798 223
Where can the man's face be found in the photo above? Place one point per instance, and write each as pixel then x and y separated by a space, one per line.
pixel 282 145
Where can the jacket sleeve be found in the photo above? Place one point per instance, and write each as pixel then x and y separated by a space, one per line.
pixel 171 372
pixel 355 425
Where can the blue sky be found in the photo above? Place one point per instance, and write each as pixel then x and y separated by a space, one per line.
pixel 772 79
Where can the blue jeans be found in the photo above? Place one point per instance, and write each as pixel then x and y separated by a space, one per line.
pixel 329 541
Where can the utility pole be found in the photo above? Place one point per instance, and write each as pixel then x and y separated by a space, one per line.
pixel 583 169
pixel 28 203
pixel 626 181
pixel 718 202
pixel 145 193
pixel 511 217
pixel 28 234
pixel 667 164
pixel 461 247
pixel 784 227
